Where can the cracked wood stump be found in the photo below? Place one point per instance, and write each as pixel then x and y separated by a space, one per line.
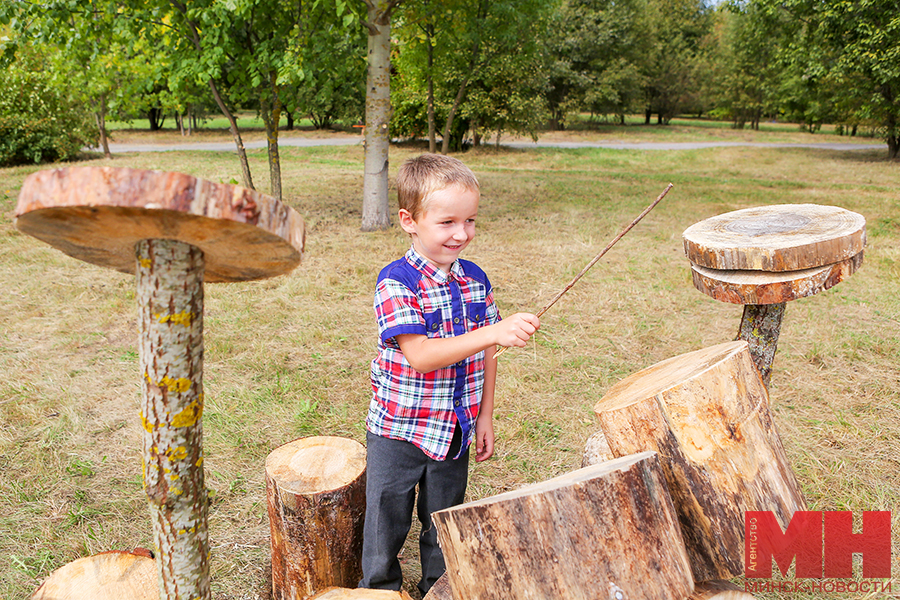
pixel 173 231
pixel 764 257
pixel 106 576
pixel 336 593
pixel 707 415
pixel 604 531
pixel 316 496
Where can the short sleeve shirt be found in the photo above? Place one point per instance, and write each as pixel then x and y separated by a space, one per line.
pixel 413 296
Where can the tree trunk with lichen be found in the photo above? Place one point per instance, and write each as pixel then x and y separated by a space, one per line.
pixel 170 297
pixel 270 109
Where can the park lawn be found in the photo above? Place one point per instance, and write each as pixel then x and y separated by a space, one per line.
pixel 288 357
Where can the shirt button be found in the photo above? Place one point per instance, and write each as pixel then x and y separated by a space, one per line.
pixel 457 403
pixel 434 326
pixel 456 320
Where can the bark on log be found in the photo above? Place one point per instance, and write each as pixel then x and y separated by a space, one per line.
pixel 760 328
pixel 316 492
pixel 440 590
pixel 104 576
pixel 718 590
pixel 707 414
pixel 607 530
pixel 596 450
pixel 761 287
pixel 336 593
pixel 787 237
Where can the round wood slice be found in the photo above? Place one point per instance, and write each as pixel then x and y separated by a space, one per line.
pixel 761 287
pixel 786 237
pixel 98 214
pixel 316 496
pixel 104 576
pixel 707 415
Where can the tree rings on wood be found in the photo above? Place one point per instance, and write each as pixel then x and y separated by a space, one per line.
pixel 98 214
pixel 786 237
pixel 105 576
pixel 316 498
pixel 707 415
pixel 761 287
pixel 608 530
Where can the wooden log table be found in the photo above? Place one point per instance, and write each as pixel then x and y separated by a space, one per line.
pixel 766 256
pixel 173 231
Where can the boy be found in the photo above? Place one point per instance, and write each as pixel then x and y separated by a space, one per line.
pixel 433 378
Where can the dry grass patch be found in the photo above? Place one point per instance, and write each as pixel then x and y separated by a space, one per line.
pixel 289 357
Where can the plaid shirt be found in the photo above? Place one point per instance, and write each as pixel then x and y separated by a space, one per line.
pixel 412 296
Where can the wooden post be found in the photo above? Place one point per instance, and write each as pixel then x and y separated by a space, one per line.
pixel 184 231
pixel 316 492
pixel 707 414
pixel 105 576
pixel 766 256
pixel 609 530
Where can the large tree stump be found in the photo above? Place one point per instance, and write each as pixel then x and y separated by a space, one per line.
pixel 440 590
pixel 316 491
pixel 707 414
pixel 607 530
pixel 105 576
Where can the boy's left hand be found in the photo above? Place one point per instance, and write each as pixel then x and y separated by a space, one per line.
pixel 484 439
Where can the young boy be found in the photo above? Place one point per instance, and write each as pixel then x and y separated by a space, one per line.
pixel 433 378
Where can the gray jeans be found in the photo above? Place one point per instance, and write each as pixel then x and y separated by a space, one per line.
pixel 393 470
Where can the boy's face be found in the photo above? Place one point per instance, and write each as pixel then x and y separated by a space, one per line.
pixel 445 227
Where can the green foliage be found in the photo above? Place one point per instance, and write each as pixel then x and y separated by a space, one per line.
pixel 41 118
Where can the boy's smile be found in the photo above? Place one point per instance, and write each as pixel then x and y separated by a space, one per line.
pixel 445 227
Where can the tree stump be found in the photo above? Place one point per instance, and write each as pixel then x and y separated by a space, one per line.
pixel 766 256
pixel 604 530
pixel 173 231
pixel 706 413
pixel 316 492
pixel 596 450
pixel 105 576
pixel 337 593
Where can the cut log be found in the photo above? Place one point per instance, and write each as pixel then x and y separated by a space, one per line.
pixel 316 492
pixel 786 237
pixel 718 590
pixel 336 593
pixel 707 414
pixel 440 590
pixel 104 576
pixel 761 287
pixel 609 527
pixel 596 450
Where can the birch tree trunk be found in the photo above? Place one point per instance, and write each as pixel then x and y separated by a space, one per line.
pixel 375 213
pixel 170 297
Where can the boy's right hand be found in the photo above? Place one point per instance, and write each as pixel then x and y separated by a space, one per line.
pixel 516 329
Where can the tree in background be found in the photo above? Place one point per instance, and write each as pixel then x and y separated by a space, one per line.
pixel 42 114
pixel 375 210
pixel 597 52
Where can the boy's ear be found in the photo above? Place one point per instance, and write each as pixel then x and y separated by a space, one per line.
pixel 407 223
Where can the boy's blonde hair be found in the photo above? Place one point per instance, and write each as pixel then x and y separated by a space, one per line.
pixel 421 176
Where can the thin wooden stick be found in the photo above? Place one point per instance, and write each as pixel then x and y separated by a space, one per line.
pixel 597 258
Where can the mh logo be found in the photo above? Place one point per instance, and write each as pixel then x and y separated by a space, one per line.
pixel 822 542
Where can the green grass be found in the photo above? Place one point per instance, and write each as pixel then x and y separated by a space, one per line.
pixel 288 357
